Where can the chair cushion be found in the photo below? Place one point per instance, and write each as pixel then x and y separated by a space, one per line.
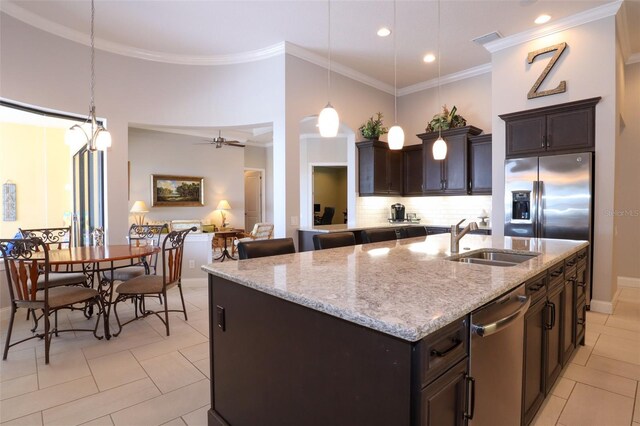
pixel 69 295
pixel 126 273
pixel 143 284
pixel 62 278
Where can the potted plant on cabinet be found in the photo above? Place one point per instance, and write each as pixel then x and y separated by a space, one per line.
pixel 446 120
pixel 372 129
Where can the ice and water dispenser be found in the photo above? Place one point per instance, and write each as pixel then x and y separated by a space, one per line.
pixel 521 209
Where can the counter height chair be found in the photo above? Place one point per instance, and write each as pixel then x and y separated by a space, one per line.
pixel 142 286
pixel 414 231
pixel 28 290
pixel 378 234
pixel 333 240
pixel 263 248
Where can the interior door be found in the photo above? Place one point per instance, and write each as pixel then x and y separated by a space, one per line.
pixel 252 198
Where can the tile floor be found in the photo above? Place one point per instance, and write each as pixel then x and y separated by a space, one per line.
pixel 143 377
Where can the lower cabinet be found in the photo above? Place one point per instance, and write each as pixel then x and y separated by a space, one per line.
pixel 533 389
pixel 444 402
pixel 553 326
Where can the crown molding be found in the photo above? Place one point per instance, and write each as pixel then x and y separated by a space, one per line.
pixel 314 58
pixel 572 21
pixel 450 78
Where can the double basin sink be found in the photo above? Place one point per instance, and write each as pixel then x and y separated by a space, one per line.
pixel 495 258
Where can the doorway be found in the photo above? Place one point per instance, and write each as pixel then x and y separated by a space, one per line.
pixel 253 198
pixel 329 191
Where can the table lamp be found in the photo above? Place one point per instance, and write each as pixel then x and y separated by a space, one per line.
pixel 139 209
pixel 222 206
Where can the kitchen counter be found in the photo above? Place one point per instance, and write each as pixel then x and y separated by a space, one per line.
pixel 404 288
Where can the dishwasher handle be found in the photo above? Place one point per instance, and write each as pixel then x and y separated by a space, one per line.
pixel 522 304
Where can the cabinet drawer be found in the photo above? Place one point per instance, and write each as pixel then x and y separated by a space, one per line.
pixel 536 288
pixel 570 264
pixel 581 281
pixel 556 275
pixel 442 349
pixel 582 256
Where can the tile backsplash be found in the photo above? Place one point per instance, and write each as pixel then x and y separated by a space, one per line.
pixel 432 210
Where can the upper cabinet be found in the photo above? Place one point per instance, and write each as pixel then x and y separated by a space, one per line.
pixel 563 128
pixel 412 167
pixel 448 176
pixel 380 169
pixel 480 165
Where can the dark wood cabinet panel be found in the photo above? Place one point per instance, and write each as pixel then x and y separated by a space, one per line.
pixel 379 169
pixel 433 181
pixel 455 165
pixel 533 367
pixel 480 159
pixel 553 321
pixel 568 319
pixel 581 320
pixel 562 128
pixel 443 402
pixel 412 167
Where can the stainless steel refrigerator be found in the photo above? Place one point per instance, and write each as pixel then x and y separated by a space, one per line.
pixel 550 197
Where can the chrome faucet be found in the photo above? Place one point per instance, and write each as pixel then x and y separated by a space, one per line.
pixel 457 234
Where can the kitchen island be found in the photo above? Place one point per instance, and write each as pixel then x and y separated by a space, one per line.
pixel 356 335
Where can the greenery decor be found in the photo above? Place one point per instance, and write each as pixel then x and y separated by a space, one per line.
pixel 446 120
pixel 373 128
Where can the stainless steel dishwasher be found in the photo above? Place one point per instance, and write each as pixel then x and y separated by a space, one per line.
pixel 497 342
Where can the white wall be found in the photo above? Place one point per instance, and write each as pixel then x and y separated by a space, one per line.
pixel 161 153
pixel 588 66
pixel 40 69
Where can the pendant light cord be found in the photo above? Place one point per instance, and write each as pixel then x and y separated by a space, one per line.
pixel 329 48
pixel 439 61
pixel 395 66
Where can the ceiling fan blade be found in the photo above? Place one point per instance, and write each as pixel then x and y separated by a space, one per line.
pixel 237 145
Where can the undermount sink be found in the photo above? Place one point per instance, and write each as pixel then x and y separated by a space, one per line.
pixel 495 258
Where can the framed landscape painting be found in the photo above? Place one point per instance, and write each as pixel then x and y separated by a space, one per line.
pixel 177 191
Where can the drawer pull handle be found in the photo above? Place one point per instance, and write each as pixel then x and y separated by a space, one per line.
pixel 582 284
pixel 556 273
pixel 456 343
pixel 472 397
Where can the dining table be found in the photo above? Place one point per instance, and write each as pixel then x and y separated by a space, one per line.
pixel 226 235
pixel 94 260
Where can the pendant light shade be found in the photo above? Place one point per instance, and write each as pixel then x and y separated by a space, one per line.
pixel 439 149
pixel 328 122
pixel 396 137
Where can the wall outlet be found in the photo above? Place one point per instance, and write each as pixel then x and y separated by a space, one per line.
pixel 192 264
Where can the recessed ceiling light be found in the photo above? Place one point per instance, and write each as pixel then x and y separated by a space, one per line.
pixel 542 19
pixel 384 31
pixel 429 57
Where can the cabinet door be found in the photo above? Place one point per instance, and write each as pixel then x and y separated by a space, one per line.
pixel 480 167
pixel 525 136
pixel 443 402
pixel 568 319
pixel 433 180
pixel 455 165
pixel 581 321
pixel 554 326
pixel 412 170
pixel 533 371
pixel 570 130
pixel 394 172
pixel 380 170
pixel 581 281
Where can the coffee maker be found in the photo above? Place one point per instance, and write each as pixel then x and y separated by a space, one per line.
pixel 397 212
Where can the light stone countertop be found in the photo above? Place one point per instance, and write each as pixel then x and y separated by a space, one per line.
pixel 404 288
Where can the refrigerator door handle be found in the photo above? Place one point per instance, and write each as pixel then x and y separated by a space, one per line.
pixel 534 208
pixel 540 222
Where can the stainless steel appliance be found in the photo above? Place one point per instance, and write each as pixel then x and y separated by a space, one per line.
pixel 497 350
pixel 397 212
pixel 550 197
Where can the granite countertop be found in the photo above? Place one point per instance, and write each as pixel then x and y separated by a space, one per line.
pixel 344 227
pixel 405 288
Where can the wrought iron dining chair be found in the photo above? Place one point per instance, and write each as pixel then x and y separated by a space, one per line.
pixel 142 286
pixel 24 266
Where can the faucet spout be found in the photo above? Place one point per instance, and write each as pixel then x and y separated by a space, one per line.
pixel 457 234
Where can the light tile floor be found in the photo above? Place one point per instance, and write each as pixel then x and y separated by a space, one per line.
pixel 143 377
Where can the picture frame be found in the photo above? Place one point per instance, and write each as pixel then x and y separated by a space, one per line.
pixel 177 191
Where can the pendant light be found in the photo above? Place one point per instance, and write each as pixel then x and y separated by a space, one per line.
pixel 396 134
pixel 91 132
pixel 328 120
pixel 439 146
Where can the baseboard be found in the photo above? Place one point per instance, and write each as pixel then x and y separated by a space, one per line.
pixel 194 282
pixel 601 306
pixel 629 282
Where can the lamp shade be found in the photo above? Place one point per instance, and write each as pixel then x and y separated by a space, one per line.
pixel 396 137
pixel 223 205
pixel 103 140
pixel 328 122
pixel 139 207
pixel 439 149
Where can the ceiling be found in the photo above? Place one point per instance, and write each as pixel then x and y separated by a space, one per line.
pixel 187 31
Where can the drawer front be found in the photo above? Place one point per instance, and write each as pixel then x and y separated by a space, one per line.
pixel 581 281
pixel 570 265
pixel 556 275
pixel 582 257
pixel 442 349
pixel 536 288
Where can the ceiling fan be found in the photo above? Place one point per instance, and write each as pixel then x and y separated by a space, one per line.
pixel 220 141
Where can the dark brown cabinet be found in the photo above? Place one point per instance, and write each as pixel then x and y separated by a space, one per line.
pixel 380 169
pixel 412 169
pixel 563 128
pixel 553 335
pixel 480 165
pixel 448 176
pixel 444 401
pixel 533 389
